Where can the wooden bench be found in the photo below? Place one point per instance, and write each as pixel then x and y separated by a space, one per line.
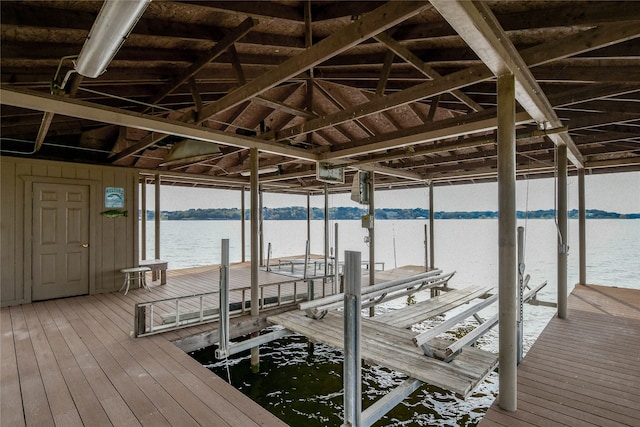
pixel 156 265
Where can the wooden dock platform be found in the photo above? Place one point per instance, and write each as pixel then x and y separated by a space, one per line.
pixel 73 362
pixel 582 371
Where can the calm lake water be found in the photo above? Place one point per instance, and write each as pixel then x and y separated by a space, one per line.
pixel 305 389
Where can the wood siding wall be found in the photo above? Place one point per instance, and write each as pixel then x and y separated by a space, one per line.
pixel 114 241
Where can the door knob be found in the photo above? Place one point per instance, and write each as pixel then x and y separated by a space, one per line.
pixel 85 245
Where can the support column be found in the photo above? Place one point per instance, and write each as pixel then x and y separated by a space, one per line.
pixel 352 377
pixel 432 244
pixel 336 262
pixel 260 231
pixel 563 246
pixel 326 234
pixel 582 228
pixel 507 271
pixel 157 218
pixel 372 235
pixel 143 232
pixel 308 217
pixel 255 353
pixel 242 225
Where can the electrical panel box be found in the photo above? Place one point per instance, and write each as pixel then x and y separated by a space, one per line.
pixel 367 221
pixel 360 188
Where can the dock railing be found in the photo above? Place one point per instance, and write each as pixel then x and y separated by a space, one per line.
pixel 154 317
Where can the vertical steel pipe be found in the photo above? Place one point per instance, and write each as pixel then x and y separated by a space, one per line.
pixel 352 364
pixel 223 345
pixel 507 273
pixel 563 244
pixel 336 261
pixel 582 228
pixel 242 225
pixel 326 233
pixel 432 244
pixel 372 235
pixel 308 217
pixel 157 217
pixel 261 227
pixel 255 214
pixel 143 231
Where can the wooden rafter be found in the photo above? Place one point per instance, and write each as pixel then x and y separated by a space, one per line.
pixel 373 23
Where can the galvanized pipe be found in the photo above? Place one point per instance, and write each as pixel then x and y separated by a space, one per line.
pixel 157 217
pixel 255 354
pixel 372 235
pixel 223 343
pixel 507 276
pixel 432 244
pixel 326 233
pixel 242 225
pixel 143 232
pixel 261 228
pixel 336 261
pixel 352 364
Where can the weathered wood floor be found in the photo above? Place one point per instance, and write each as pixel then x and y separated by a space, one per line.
pixel 583 371
pixel 72 361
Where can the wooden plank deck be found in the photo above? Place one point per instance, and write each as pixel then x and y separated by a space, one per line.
pixel 73 362
pixel 585 370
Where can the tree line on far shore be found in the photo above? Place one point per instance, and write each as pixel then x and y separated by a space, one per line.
pixel 355 213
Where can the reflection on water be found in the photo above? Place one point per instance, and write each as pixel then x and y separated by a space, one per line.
pixel 303 388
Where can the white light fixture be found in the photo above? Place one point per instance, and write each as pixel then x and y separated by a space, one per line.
pixel 112 27
pixel 270 169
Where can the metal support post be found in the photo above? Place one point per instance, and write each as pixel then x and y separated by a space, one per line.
pixel 223 322
pixel 563 244
pixel 326 233
pixel 268 255
pixel 308 217
pixel 507 273
pixel 255 353
pixel 261 228
pixel 143 231
pixel 242 225
pixel 372 236
pixel 582 228
pixel 432 245
pixel 426 249
pixel 157 217
pixel 521 268
pixel 306 261
pixel 352 362
pixel 336 261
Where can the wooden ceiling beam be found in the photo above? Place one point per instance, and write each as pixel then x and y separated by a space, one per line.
pixel 75 108
pixel 220 47
pixel 546 52
pixel 448 128
pixel 367 26
pixel 480 29
pixel 425 69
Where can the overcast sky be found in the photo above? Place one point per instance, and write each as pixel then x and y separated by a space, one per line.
pixel 611 192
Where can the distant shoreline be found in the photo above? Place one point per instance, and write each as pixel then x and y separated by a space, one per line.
pixel 351 213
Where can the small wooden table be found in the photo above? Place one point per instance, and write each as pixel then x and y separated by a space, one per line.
pixel 135 274
pixel 156 265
